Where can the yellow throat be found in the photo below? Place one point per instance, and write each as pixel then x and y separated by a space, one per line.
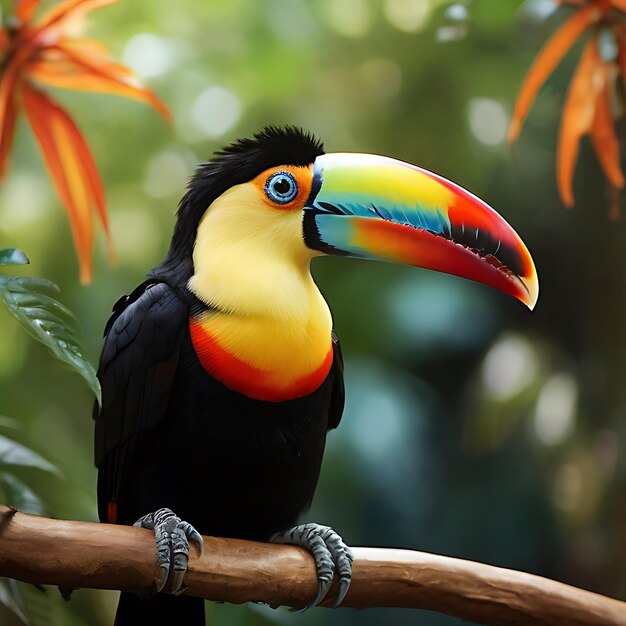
pixel 267 333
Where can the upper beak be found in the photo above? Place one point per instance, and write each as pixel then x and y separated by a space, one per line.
pixel 374 207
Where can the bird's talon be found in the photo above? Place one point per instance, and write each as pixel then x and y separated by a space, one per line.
pixel 322 590
pixel 177 582
pixel 164 574
pixel 344 585
pixel 172 538
pixel 180 591
pixel 330 553
pixel 194 535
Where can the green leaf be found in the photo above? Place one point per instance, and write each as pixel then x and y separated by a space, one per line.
pixel 32 302
pixel 13 256
pixel 16 454
pixel 9 597
pixel 20 495
pixel 9 423
pixel 40 604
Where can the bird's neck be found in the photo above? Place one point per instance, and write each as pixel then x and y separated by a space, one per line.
pixel 267 330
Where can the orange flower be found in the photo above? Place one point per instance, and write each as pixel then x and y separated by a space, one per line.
pixel 44 53
pixel 588 106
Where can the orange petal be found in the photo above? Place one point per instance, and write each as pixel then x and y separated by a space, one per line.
pixel 67 10
pixel 86 46
pixel 71 167
pixel 91 178
pixel 85 71
pixel 619 4
pixel 603 137
pixel 4 40
pixel 8 111
pixel 8 78
pixel 6 135
pixel 25 10
pixel 547 59
pixel 577 118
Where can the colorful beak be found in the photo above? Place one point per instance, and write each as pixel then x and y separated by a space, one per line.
pixel 374 207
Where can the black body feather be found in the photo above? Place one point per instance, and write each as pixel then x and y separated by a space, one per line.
pixel 168 434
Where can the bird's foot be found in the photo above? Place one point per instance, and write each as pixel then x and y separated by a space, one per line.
pixel 172 539
pixel 331 555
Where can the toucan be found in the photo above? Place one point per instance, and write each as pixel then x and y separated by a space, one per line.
pixel 221 373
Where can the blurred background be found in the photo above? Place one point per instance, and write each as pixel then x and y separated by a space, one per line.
pixel 473 428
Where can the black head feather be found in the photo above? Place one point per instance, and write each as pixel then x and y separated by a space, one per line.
pixel 237 163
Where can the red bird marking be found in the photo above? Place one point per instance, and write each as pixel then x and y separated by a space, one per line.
pixel 247 379
pixel 112 512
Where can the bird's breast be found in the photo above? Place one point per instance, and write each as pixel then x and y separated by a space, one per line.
pixel 264 358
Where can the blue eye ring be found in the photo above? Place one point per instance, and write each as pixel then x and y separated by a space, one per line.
pixel 281 187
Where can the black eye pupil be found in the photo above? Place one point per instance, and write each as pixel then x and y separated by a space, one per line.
pixel 281 187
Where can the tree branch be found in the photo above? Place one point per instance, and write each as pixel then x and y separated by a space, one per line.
pixel 84 554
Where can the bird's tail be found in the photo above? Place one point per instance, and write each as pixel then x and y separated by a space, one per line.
pixel 161 609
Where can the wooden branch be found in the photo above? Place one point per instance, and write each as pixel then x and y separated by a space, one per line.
pixel 84 554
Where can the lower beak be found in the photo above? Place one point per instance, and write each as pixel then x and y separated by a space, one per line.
pixel 374 207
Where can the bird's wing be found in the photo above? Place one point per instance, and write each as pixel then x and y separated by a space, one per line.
pixel 137 367
pixel 338 396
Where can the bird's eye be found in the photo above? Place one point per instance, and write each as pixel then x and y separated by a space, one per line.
pixel 281 187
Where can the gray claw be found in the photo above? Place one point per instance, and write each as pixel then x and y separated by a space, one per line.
pixel 165 570
pixel 344 585
pixel 177 582
pixel 194 535
pixel 180 558
pixel 331 555
pixel 172 538
pixel 342 556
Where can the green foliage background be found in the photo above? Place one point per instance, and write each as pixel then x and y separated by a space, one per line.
pixel 473 428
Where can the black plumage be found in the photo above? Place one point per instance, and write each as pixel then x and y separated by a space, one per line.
pixel 170 435
pixel 167 433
